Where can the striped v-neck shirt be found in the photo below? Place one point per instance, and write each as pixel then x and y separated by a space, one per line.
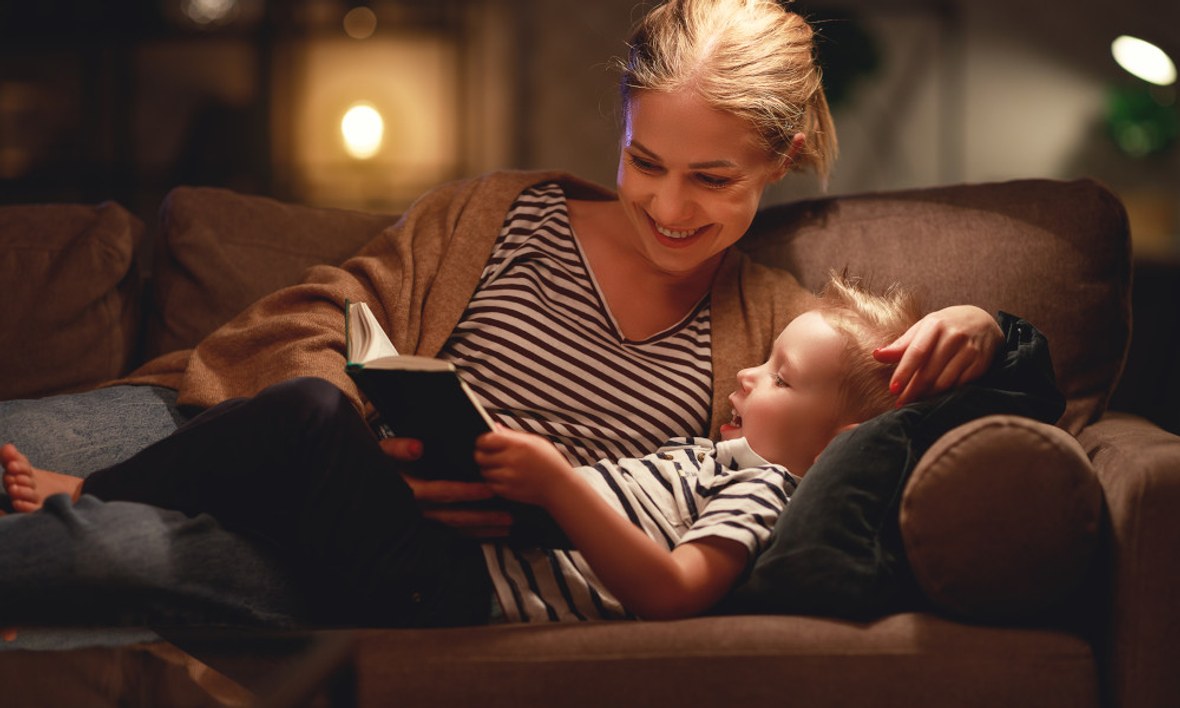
pixel 539 346
pixel 541 350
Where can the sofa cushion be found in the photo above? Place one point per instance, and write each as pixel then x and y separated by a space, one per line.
pixel 70 298
pixel 1023 246
pixel 221 250
pixel 904 660
pixel 1000 519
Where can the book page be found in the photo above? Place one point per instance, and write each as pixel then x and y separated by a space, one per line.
pixel 365 339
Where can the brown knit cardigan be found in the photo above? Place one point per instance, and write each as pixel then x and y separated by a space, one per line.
pixel 418 276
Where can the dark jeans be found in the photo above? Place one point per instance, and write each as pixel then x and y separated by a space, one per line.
pixel 297 469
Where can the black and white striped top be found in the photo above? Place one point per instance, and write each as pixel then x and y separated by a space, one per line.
pixel 540 348
pixel 689 489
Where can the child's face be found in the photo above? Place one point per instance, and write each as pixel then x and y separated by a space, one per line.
pixel 788 409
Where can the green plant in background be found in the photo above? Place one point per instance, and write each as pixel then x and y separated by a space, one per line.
pixel 1143 119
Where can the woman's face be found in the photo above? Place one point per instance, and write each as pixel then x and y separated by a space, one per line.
pixel 690 178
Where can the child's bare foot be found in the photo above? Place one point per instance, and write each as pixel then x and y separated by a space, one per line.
pixel 29 487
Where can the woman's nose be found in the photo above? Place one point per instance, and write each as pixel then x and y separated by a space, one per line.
pixel 670 206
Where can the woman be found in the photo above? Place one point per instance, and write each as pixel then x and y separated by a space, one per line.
pixel 549 293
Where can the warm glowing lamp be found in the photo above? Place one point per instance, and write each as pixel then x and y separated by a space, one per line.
pixel 1144 60
pixel 362 128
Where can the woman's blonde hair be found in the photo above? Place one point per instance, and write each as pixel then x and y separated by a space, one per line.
pixel 752 58
pixel 867 321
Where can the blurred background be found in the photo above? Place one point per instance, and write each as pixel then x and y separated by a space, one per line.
pixel 363 104
pixel 123 100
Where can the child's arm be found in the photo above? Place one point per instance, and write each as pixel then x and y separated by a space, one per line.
pixel 648 579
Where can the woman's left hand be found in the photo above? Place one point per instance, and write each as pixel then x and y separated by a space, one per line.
pixel 942 350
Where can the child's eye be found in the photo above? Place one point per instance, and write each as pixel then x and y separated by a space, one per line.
pixel 780 381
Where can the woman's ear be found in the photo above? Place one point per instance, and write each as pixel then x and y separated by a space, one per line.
pixel 798 142
pixel 793 151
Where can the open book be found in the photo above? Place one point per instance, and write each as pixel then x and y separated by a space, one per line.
pixel 418 397
pixel 425 398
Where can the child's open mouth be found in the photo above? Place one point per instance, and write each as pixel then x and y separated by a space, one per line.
pixel 732 429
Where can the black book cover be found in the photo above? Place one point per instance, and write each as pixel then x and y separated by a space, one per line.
pixel 426 399
pixel 431 405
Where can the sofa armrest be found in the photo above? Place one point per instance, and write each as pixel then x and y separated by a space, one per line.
pixel 1021 555
pixel 1138 465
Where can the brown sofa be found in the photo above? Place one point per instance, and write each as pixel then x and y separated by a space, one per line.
pixel 1046 554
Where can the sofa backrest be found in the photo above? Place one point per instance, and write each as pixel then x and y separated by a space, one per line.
pixel 1056 253
pixel 69 296
pixel 219 251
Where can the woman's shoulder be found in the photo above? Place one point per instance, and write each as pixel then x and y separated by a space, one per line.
pixel 741 268
pixel 490 195
pixel 590 216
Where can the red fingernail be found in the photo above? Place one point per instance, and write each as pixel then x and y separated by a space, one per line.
pixel 895 387
pixel 415 448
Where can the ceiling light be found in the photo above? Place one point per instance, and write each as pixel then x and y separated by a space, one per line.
pixel 1144 60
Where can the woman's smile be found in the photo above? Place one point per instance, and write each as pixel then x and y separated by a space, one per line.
pixel 691 176
pixel 676 238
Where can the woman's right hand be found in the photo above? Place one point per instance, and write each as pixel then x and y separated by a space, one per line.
pixel 435 496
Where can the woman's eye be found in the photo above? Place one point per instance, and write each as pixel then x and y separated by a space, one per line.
pixel 641 164
pixel 713 181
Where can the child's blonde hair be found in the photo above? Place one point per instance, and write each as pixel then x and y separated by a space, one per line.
pixel 752 58
pixel 868 321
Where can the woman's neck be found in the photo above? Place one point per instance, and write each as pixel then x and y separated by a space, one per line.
pixel 644 299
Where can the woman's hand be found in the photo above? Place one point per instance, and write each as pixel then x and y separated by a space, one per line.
pixel 942 350
pixel 437 497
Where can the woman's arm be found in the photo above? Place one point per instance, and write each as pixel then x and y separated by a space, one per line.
pixel 944 349
pixel 650 580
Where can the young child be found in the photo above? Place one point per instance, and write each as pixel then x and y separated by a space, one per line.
pixel 662 536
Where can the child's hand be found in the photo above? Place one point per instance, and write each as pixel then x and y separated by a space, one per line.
pixel 438 497
pixel 521 466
